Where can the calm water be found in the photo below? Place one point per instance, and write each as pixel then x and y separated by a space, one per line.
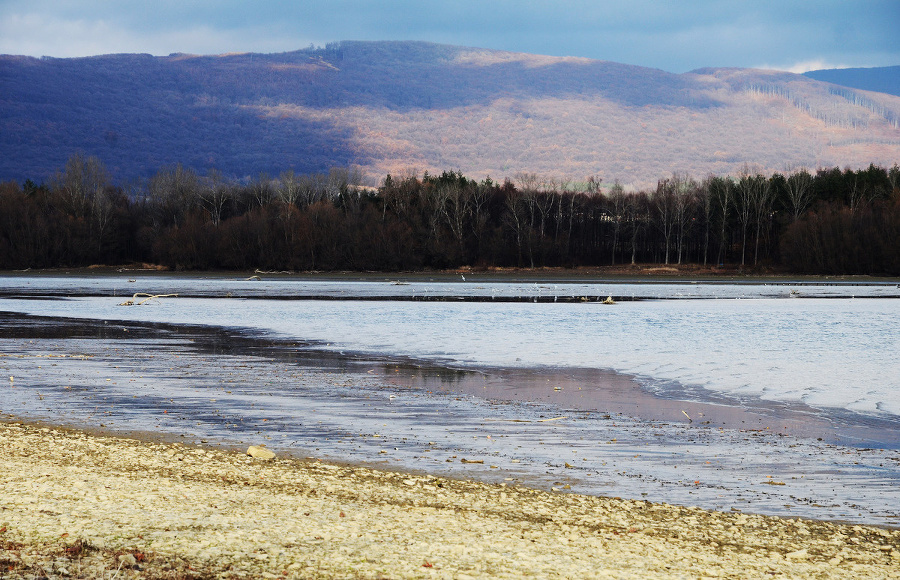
pixel 829 351
pixel 782 343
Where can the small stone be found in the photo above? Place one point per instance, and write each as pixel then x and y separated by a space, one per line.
pixel 797 555
pixel 260 453
pixel 127 560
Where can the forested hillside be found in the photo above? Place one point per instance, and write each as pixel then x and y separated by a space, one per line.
pixel 387 107
pixel 884 79
pixel 829 221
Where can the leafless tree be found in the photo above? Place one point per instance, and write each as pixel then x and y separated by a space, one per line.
pixel 743 202
pixel 763 198
pixel 616 210
pixel 799 192
pixel 215 193
pixel 705 202
pixel 859 192
pixel 455 205
pixel 637 212
pixel 173 191
pixel 517 218
pixel 722 191
pixel 663 200
pixel 82 180
pixel 683 188
pixel 263 193
pixel 288 188
pixel 894 178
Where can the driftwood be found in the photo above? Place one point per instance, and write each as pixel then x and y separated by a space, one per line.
pixel 134 299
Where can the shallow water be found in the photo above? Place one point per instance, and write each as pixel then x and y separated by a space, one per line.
pixel 836 355
pixel 426 287
pixel 390 383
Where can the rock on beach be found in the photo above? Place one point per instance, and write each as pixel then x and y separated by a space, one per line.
pixel 78 505
pixel 260 453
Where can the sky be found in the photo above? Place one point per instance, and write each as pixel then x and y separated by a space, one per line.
pixel 676 36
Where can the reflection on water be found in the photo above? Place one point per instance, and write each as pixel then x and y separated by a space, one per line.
pixel 836 355
pixel 221 387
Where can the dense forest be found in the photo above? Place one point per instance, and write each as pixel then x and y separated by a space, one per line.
pixel 830 221
pixel 389 106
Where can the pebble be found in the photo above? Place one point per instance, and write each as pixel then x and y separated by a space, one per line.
pixel 224 514
pixel 260 453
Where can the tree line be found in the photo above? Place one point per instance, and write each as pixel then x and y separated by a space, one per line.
pixel 829 221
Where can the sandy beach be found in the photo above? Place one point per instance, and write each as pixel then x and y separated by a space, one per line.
pixel 76 505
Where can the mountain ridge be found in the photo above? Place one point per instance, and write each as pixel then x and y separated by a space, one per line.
pixel 398 106
pixel 884 79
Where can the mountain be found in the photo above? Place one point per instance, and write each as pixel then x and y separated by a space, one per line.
pixel 396 106
pixel 885 79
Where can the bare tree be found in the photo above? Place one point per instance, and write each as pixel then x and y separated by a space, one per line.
pixel 705 201
pixel 263 193
pixel 859 192
pixel 102 211
pixel 894 178
pixel 616 210
pixel 288 188
pixel 83 179
pixel 743 201
pixel 173 191
pixel 663 200
pixel 517 218
pixel 455 205
pixel 683 188
pixel 722 190
pixel 637 212
pixel 799 192
pixel 763 197
pixel 215 193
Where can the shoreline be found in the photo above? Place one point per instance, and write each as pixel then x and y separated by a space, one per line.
pixel 609 392
pixel 604 433
pixel 644 273
pixel 87 504
pixel 595 390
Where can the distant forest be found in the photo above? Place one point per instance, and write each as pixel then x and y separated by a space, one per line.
pixel 829 221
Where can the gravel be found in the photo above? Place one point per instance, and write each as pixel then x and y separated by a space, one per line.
pixel 77 505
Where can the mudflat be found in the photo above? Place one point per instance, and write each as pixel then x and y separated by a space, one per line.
pixel 77 505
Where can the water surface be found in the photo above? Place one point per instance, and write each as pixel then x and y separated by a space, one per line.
pixel 806 387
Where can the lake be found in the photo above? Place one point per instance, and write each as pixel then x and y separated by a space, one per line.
pixel 779 398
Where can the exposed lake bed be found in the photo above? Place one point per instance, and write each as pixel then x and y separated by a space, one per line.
pixel 588 430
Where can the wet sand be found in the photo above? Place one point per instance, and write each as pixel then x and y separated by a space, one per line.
pixel 613 393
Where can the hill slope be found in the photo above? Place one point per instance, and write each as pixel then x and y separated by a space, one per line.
pixel 392 106
pixel 885 79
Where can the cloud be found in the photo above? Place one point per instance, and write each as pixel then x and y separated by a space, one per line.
pixel 83 37
pixel 675 36
pixel 806 66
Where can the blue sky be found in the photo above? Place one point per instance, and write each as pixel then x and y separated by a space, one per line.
pixel 676 36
